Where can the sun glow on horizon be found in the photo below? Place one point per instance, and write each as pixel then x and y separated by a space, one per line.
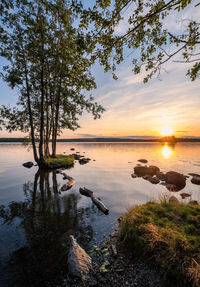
pixel 167 131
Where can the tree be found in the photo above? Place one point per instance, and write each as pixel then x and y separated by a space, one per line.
pixel 49 65
pixel 148 35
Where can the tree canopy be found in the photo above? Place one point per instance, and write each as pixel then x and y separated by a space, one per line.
pixel 148 35
pixel 49 65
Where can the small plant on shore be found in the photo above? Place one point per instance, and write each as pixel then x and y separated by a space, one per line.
pixel 169 234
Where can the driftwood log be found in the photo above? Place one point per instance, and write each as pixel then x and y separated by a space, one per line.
pixel 97 202
pixel 70 183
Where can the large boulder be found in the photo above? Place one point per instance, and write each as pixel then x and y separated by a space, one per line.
pixel 143 170
pixel 176 178
pixel 79 262
pixel 28 164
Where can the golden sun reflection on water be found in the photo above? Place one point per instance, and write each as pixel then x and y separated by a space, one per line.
pixel 166 151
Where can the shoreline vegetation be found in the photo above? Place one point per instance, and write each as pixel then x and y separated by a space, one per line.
pixel 168 234
pixel 162 140
pixel 156 241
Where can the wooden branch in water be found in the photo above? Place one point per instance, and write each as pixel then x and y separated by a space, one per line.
pixel 92 195
pixel 70 183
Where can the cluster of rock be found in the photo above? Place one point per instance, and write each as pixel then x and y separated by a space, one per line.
pixel 174 181
pixel 80 158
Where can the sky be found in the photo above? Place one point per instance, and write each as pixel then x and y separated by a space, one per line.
pixel 170 104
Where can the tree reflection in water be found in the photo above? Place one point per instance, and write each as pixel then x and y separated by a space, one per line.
pixel 47 219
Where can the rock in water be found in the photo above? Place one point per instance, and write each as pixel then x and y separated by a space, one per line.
pixel 146 177
pixel 154 180
pixel 184 195
pixel 175 178
pixel 143 170
pixel 161 175
pixel 194 174
pixel 155 169
pixel 143 160
pixel 196 180
pixel 133 175
pixel 79 262
pixel 28 164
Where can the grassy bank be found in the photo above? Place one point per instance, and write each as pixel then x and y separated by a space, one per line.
pixel 167 234
pixel 65 161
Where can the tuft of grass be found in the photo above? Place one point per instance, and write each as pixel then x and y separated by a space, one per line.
pixel 65 161
pixel 169 234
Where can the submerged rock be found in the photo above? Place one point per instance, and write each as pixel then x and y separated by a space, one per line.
pixel 196 180
pixel 79 262
pixel 143 160
pixel 28 164
pixel 184 195
pixel 175 178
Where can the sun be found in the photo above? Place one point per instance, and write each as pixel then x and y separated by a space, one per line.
pixel 167 131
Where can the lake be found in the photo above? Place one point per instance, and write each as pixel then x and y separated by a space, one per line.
pixel 35 220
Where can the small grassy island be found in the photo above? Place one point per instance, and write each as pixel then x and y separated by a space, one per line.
pixel 65 161
pixel 167 234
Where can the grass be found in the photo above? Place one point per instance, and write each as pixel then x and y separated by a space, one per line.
pixel 169 234
pixel 65 161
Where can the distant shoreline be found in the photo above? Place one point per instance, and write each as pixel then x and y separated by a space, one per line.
pixel 106 140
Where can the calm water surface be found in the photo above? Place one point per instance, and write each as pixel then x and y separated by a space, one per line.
pixel 35 219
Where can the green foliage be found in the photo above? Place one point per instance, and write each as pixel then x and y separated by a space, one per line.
pixel 148 35
pixel 49 64
pixel 103 267
pixel 170 234
pixel 65 161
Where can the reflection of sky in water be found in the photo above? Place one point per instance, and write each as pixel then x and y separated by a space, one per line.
pixel 109 176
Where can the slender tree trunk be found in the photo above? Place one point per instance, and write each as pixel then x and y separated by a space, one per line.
pixel 41 144
pixel 56 119
pixel 31 119
pixel 46 147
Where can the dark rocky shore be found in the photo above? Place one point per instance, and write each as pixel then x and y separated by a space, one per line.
pixel 121 270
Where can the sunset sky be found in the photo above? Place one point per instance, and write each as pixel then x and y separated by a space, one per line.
pixel 136 109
